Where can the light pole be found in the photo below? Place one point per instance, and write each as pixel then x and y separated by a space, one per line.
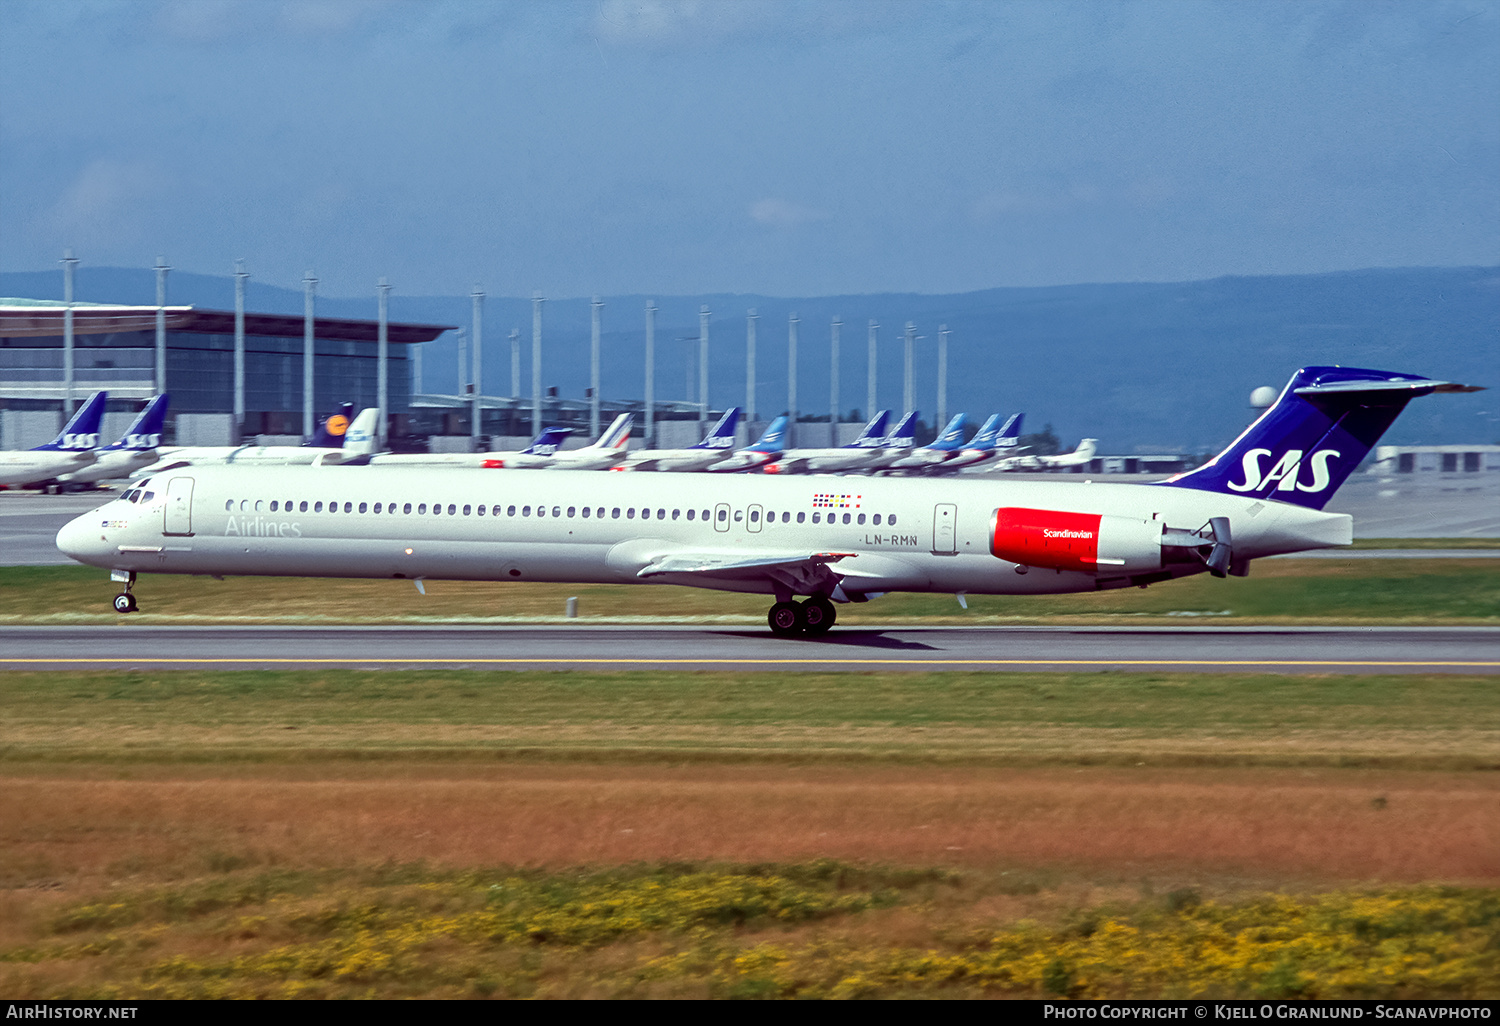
pixel 750 318
pixel 833 382
pixel 309 284
pixel 703 367
pixel 161 324
pixel 870 373
pixel 597 310
pixel 536 363
pixel 791 376
pixel 69 262
pixel 650 372
pixel 476 404
pixel 240 278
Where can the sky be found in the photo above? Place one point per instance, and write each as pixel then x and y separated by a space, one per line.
pixel 793 148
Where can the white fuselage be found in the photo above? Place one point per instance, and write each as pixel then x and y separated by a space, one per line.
pixel 677 461
pixel 894 534
pixel 843 458
pixel 244 455
pixel 25 466
pixel 111 464
pixel 587 458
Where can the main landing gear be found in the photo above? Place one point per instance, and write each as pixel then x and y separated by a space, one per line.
pixel 125 601
pixel 812 618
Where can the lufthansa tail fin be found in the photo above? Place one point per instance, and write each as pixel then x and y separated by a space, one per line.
pixel 330 435
pixel 82 431
pixel 1310 440
pixel 145 431
pixel 721 435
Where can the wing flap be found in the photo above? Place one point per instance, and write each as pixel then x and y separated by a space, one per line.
pixel 799 573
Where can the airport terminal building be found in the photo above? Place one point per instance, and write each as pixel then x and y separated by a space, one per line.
pixel 44 366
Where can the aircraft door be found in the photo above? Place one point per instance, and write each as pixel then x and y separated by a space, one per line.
pixel 179 508
pixel 721 517
pixel 944 521
pixel 752 516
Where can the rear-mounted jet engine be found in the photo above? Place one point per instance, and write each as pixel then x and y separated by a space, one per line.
pixel 1099 544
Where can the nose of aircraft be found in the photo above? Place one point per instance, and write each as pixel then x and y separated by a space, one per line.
pixel 82 539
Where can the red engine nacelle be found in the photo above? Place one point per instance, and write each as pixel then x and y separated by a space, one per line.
pixel 1060 540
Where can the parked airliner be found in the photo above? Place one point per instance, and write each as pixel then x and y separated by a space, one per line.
pixel 715 445
pixel 1077 458
pixel 544 453
pixel 767 449
pixel 326 446
pixel 72 449
pixel 135 449
pixel 992 442
pixel 830 539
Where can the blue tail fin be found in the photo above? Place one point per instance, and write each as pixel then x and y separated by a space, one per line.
pixel 145 431
pixel 1311 439
pixel 774 440
pixel 82 431
pixel 721 435
pixel 1010 434
pixel 331 434
pixel 902 435
pixel 873 436
pixel 984 438
pixel 952 438
pixel 548 442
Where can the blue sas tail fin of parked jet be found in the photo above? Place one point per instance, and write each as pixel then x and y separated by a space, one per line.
pixel 873 436
pixel 1313 437
pixel 721 435
pixel 330 434
pixel 548 442
pixel 145 431
pixel 81 432
pixel 904 434
pixel 1010 434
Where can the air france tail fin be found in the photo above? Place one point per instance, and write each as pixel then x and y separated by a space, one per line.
pixel 774 440
pixel 873 436
pixel 904 434
pixel 1010 434
pixel 721 435
pixel 952 438
pixel 617 435
pixel 362 437
pixel 1311 439
pixel 547 442
pixel 145 431
pixel 82 431
pixel 331 434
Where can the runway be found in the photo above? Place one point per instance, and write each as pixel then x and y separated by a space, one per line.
pixel 1357 650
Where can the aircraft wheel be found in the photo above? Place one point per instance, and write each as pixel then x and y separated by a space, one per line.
pixel 125 602
pixel 818 616
pixel 785 619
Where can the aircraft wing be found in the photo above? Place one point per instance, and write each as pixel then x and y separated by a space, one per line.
pixel 801 573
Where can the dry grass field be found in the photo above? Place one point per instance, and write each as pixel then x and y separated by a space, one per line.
pixel 454 834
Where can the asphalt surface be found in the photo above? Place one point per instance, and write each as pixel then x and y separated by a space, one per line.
pixel 1358 650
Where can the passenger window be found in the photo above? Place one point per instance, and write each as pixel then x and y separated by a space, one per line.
pixel 244 505
pixel 739 515
pixel 891 520
pixel 676 513
pixel 452 509
pixel 541 511
pixel 479 510
pixel 755 516
pixel 586 512
pixel 861 519
pixel 229 506
pixel 572 510
pixel 705 514
pixel 421 509
pixel 363 508
pixel 723 514
pixel 318 507
pixel 646 514
pixel 525 511
pixel 846 518
pixel 510 512
pixel 437 509
pixel 466 510
pixel 378 507
pixel 661 514
pixel 599 513
pixel 818 518
pixel 692 513
pixel 786 518
pixel 273 505
pixel 495 512
pixel 557 511
pixel 302 507
pixel 406 508
pixel 615 513
pixel 801 518
pixel 875 520
pixel 630 513
pixel 348 507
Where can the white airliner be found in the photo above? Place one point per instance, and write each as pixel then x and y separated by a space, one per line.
pixel 992 443
pixel 871 450
pixel 72 449
pixel 1077 458
pixel 829 539
pixel 714 447
pixel 135 449
pixel 544 453
pixel 326 447
pixel 940 450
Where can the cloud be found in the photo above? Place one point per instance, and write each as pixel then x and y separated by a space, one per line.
pixel 780 213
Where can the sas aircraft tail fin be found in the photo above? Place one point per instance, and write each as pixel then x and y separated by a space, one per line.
pixel 873 436
pixel 1310 440
pixel 81 432
pixel 721 435
pixel 547 442
pixel 145 431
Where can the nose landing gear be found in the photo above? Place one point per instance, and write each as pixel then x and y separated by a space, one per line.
pixel 811 618
pixel 125 601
